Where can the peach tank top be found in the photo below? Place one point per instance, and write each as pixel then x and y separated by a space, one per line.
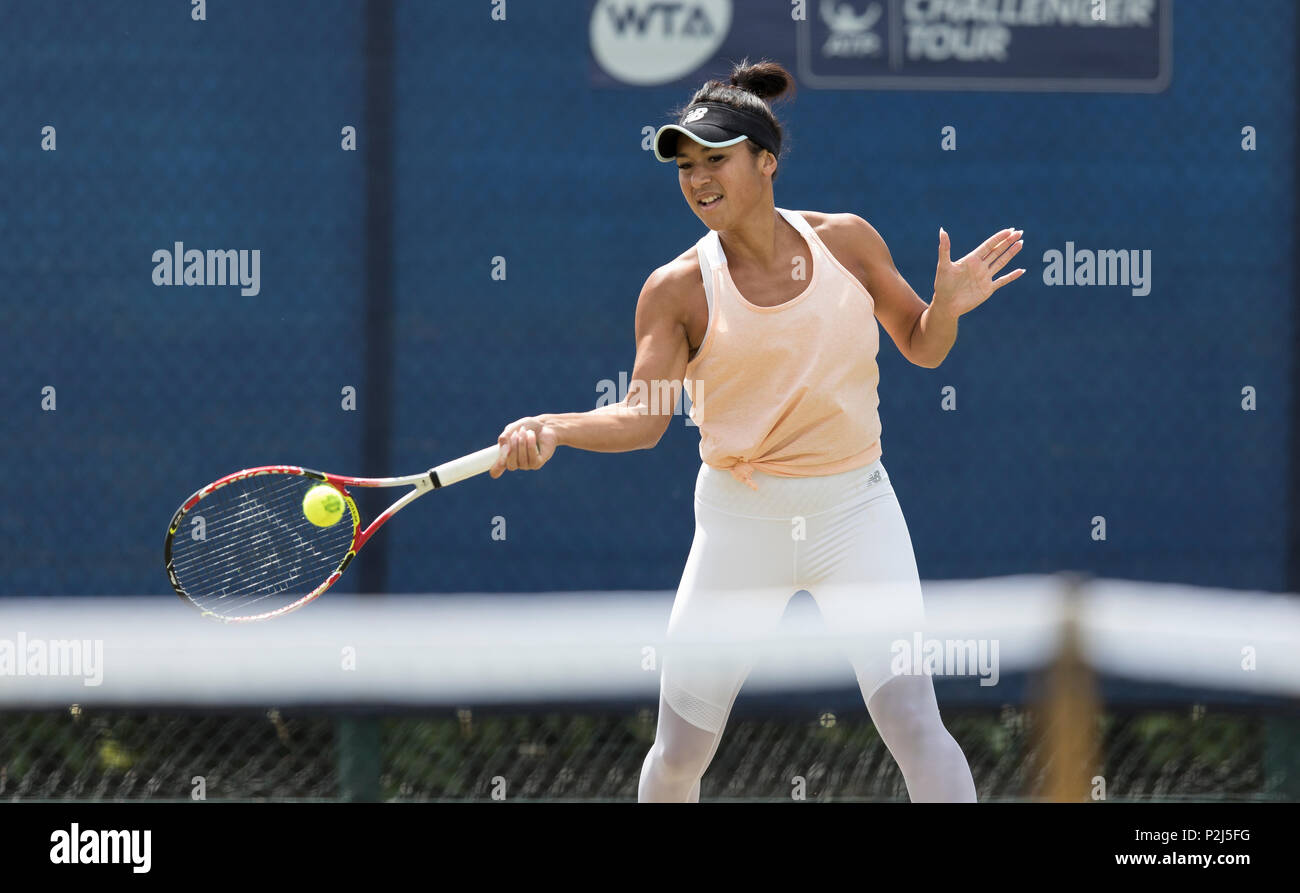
pixel 788 390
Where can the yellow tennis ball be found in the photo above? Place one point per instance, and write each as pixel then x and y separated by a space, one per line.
pixel 323 505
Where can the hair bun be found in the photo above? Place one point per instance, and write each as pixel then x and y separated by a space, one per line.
pixel 765 79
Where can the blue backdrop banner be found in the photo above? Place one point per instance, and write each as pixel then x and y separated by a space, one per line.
pixel 1061 45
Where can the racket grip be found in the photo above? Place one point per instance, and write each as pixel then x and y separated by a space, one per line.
pixel 464 467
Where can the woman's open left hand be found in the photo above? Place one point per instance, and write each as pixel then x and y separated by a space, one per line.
pixel 961 286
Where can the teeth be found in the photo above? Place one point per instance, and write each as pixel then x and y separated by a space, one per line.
pixel 709 198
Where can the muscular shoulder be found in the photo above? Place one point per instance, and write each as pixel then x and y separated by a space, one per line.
pixel 679 278
pixel 673 298
pixel 854 242
pixel 674 286
pixel 844 228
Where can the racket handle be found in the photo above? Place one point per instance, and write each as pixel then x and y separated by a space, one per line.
pixel 464 467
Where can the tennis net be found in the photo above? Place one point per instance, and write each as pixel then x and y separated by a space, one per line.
pixel 1049 684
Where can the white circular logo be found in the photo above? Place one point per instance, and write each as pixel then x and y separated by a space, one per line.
pixel 648 42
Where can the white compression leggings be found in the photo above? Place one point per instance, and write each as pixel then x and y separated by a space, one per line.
pixel 843 539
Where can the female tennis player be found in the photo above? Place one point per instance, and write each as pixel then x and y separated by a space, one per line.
pixel 769 324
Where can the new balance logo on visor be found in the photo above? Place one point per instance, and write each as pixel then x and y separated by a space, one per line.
pixel 695 115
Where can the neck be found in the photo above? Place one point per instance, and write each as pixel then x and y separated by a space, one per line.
pixel 754 242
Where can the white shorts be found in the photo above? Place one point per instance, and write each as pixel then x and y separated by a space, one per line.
pixel 841 537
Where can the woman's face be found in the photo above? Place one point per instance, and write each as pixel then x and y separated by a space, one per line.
pixel 733 177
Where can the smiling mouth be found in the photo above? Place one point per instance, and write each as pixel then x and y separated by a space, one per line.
pixel 709 201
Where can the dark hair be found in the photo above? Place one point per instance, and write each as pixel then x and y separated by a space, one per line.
pixel 750 88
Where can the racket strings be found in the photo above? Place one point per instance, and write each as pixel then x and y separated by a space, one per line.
pixel 230 526
pixel 249 538
pixel 239 550
pixel 256 551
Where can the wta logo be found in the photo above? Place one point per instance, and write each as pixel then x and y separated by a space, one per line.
pixel 649 42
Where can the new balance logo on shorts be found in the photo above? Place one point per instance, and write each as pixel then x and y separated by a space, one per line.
pixel 875 477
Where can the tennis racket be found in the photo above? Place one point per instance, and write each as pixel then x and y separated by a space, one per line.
pixel 242 548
